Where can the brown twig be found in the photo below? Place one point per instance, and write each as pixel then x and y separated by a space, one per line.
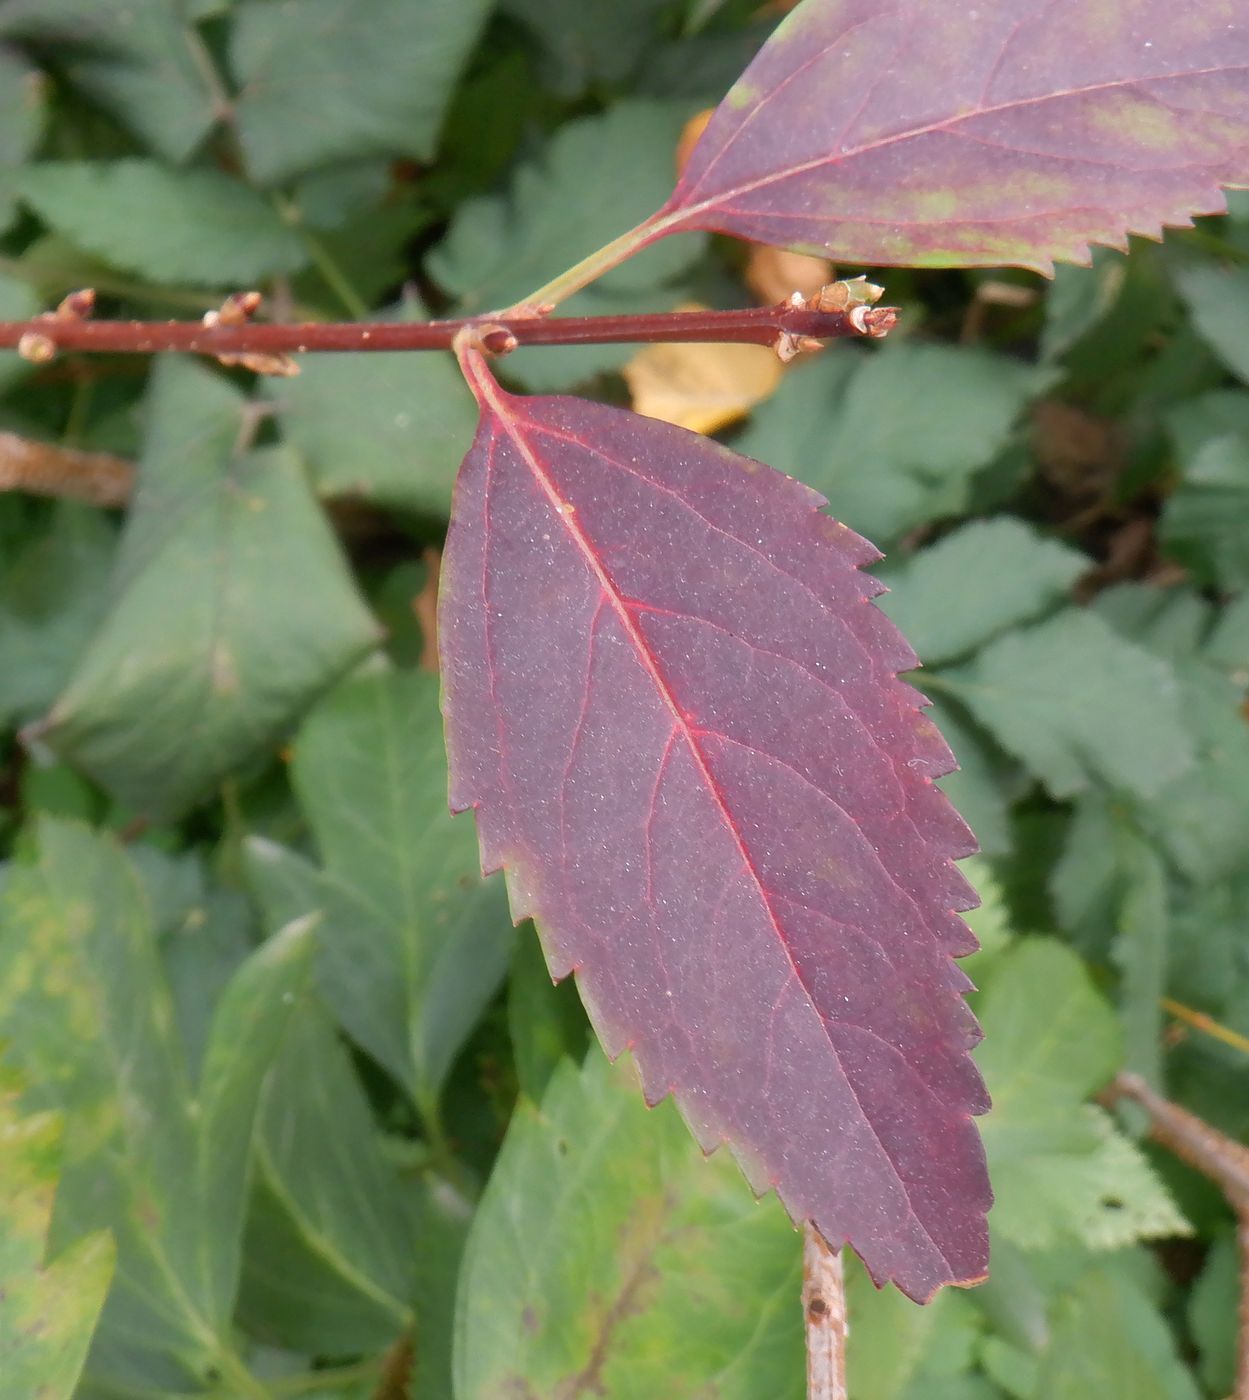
pixel 1224 1161
pixel 824 1308
pixel 752 325
pixel 48 470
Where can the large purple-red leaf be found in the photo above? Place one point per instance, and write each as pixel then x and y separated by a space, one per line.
pixel 930 133
pixel 677 714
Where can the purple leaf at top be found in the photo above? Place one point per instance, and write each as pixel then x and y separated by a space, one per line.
pixel 677 714
pixel 933 134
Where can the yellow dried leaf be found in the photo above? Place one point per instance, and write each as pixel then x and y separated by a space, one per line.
pixel 701 387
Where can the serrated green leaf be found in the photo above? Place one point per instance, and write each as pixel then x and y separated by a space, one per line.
pixel 1217 296
pixel 1077 704
pixel 607 1252
pixel 52 595
pixel 48 1310
pixel 207 653
pixel 893 439
pixel 1109 1340
pixel 87 1015
pixel 331 1257
pixel 1060 1169
pixel 174 226
pixel 560 206
pixel 330 80
pixel 413 942
pixel 387 428
pixel 975 583
pixel 139 58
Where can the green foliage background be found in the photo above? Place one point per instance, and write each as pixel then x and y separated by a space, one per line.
pixel 287 1108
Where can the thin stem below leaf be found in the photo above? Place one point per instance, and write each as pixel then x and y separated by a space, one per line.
pixel 824 1308
pixel 761 325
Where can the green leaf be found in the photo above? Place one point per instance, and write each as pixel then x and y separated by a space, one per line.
pixel 563 206
pixel 413 942
pixel 546 1021
pixel 1061 1171
pixel 48 1311
pixel 1228 644
pixel 173 226
pixel 893 439
pixel 1140 950
pixel 1078 704
pixel 329 80
pixel 585 45
pixel 980 786
pixel 608 1254
pixel 1107 1340
pixel 1212 1312
pixel 140 58
pixel 975 583
pixel 331 1253
pixel 888 1334
pixel 1217 296
pixel 18 302
pixel 207 653
pixel 1205 523
pixel 87 1012
pixel 386 428
pixel 52 595
pixel 22 94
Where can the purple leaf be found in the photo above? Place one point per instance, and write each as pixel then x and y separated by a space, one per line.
pixel 678 717
pixel 1014 132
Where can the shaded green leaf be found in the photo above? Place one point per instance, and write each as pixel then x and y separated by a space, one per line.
pixel 22 93
pixel 1077 704
pixel 1205 523
pixel 974 583
pixel 52 595
pixel 331 1254
pixel 608 1253
pixel 1217 296
pixel 981 784
pixel 18 302
pixel 893 439
pixel 586 44
pixel 175 226
pixel 1140 950
pixel 48 1310
pixel 140 58
pixel 328 80
pixel 207 654
pixel 413 942
pixel 545 1018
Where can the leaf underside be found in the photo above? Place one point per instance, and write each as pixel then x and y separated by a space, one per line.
pixel 1039 130
pixel 679 720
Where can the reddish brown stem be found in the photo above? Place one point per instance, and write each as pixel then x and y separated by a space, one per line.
pixel 755 325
